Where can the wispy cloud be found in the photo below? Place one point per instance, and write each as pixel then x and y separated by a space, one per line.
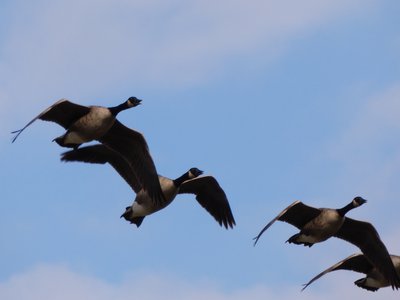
pixel 367 157
pixel 373 123
pixel 59 283
pixel 75 48
pixel 151 42
pixel 368 148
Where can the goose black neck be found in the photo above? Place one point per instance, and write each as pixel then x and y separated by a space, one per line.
pixel 178 181
pixel 344 210
pixel 115 110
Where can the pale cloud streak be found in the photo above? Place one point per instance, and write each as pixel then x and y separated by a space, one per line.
pixel 155 43
pixel 368 145
pixel 60 283
pixel 367 153
pixel 57 49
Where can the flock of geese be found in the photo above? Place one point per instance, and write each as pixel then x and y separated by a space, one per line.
pixel 127 152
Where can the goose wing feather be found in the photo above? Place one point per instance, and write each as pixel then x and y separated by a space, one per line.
pixel 364 236
pixel 62 112
pixel 211 197
pixel 296 214
pixel 133 147
pixel 356 262
pixel 101 154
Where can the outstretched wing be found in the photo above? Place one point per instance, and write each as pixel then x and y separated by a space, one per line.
pixel 101 154
pixel 212 197
pixel 356 262
pixel 63 112
pixel 365 237
pixel 296 214
pixel 133 147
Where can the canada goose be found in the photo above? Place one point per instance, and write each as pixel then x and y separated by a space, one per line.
pixel 83 123
pixel 359 263
pixel 206 188
pixel 317 225
pixel 87 123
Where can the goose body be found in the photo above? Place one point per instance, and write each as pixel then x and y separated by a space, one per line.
pixel 142 206
pixel 319 229
pixel 91 126
pixel 319 224
pixel 315 224
pixel 208 192
pixel 87 123
pixel 83 123
pixel 374 279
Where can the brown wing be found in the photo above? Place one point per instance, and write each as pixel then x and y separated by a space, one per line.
pixel 133 147
pixel 296 214
pixel 101 154
pixel 365 236
pixel 63 112
pixel 356 262
pixel 212 197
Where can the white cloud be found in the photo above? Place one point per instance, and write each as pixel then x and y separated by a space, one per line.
pixel 368 146
pixel 374 121
pixel 55 49
pixel 367 153
pixel 100 42
pixel 59 283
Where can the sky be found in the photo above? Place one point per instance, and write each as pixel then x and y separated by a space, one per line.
pixel 278 100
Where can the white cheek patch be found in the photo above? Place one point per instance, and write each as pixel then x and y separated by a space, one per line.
pixel 191 175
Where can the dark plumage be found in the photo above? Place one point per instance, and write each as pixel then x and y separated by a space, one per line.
pixel 83 123
pixel 359 263
pixel 206 188
pixel 317 225
pixel 87 123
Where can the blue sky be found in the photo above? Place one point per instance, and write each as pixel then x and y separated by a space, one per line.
pixel 280 101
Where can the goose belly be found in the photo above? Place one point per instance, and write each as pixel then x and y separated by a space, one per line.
pixel 144 205
pixel 377 283
pixel 322 227
pixel 91 126
pixel 142 209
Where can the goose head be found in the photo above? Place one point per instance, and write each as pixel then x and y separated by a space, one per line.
pixel 358 201
pixel 194 172
pixel 133 101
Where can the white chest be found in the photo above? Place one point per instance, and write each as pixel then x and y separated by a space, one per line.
pixel 324 226
pixel 98 119
pixel 329 218
pixel 144 205
pixel 91 126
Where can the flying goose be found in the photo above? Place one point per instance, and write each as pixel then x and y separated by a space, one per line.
pixel 83 123
pixel 87 123
pixel 359 263
pixel 208 192
pixel 319 224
